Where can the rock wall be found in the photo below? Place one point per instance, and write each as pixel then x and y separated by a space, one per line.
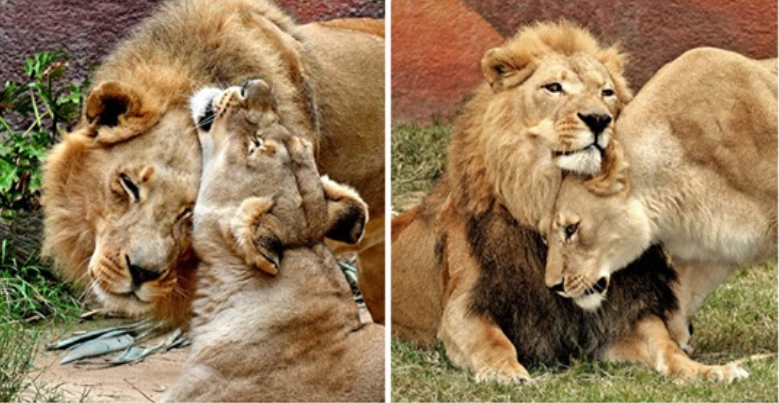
pixel 437 45
pixel 88 29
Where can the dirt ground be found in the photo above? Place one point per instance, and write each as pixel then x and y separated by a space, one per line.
pixel 140 382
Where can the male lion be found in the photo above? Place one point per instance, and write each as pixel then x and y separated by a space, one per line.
pixel 294 335
pixel 700 141
pixel 119 190
pixel 468 263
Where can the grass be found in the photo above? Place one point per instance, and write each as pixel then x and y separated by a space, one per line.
pixel 739 320
pixel 418 159
pixel 29 294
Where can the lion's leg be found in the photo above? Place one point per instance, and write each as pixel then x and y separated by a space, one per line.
pixel 651 344
pixel 473 341
pixel 695 283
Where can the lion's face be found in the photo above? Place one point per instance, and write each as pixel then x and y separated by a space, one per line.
pixel 141 236
pixel 568 104
pixel 590 237
pixel 118 195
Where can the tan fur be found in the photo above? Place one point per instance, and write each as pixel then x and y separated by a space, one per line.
pixel 651 344
pixel 700 148
pixel 502 155
pixel 329 82
pixel 294 335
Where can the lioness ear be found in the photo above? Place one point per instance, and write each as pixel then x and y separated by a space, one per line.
pixel 613 176
pixel 115 113
pixel 252 234
pixel 347 213
pixel 502 70
pixel 615 61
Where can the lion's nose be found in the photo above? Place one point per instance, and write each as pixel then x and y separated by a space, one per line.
pixel 139 274
pixel 597 122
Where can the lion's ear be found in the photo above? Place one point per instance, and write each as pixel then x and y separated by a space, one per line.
pixel 252 234
pixel 503 70
pixel 115 113
pixel 347 213
pixel 613 177
pixel 615 61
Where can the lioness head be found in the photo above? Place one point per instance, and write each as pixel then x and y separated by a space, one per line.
pixel 260 189
pixel 555 80
pixel 590 236
pixel 118 197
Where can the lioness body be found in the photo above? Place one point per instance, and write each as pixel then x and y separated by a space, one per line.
pixel 293 337
pixel 700 150
pixel 468 263
pixel 329 83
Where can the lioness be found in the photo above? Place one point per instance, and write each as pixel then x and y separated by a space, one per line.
pixel 118 192
pixel 468 263
pixel 294 335
pixel 698 149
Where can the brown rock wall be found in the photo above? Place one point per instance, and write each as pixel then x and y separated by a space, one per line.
pixel 652 31
pixel 88 29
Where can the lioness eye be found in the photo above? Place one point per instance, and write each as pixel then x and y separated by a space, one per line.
pixel 130 187
pixel 570 230
pixel 553 87
pixel 607 92
pixel 186 213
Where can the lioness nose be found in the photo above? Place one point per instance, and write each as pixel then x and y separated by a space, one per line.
pixel 597 122
pixel 601 284
pixel 139 274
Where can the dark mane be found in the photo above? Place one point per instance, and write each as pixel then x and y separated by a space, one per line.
pixel 544 327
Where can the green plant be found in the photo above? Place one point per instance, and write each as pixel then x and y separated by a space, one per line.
pixel 32 114
pixel 17 351
pixel 29 292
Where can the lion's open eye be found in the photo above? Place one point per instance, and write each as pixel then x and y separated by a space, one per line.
pixel 130 187
pixel 570 229
pixel 554 88
pixel 608 92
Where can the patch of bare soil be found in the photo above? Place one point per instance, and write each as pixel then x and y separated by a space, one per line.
pixel 139 382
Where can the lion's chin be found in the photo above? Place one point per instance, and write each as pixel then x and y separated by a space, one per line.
pixel 128 303
pixel 591 302
pixel 586 161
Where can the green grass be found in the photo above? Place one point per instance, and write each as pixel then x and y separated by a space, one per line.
pixel 30 298
pixel 739 320
pixel 418 159
pixel 30 292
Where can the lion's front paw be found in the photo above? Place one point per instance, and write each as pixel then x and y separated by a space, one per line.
pixel 506 374
pixel 717 373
